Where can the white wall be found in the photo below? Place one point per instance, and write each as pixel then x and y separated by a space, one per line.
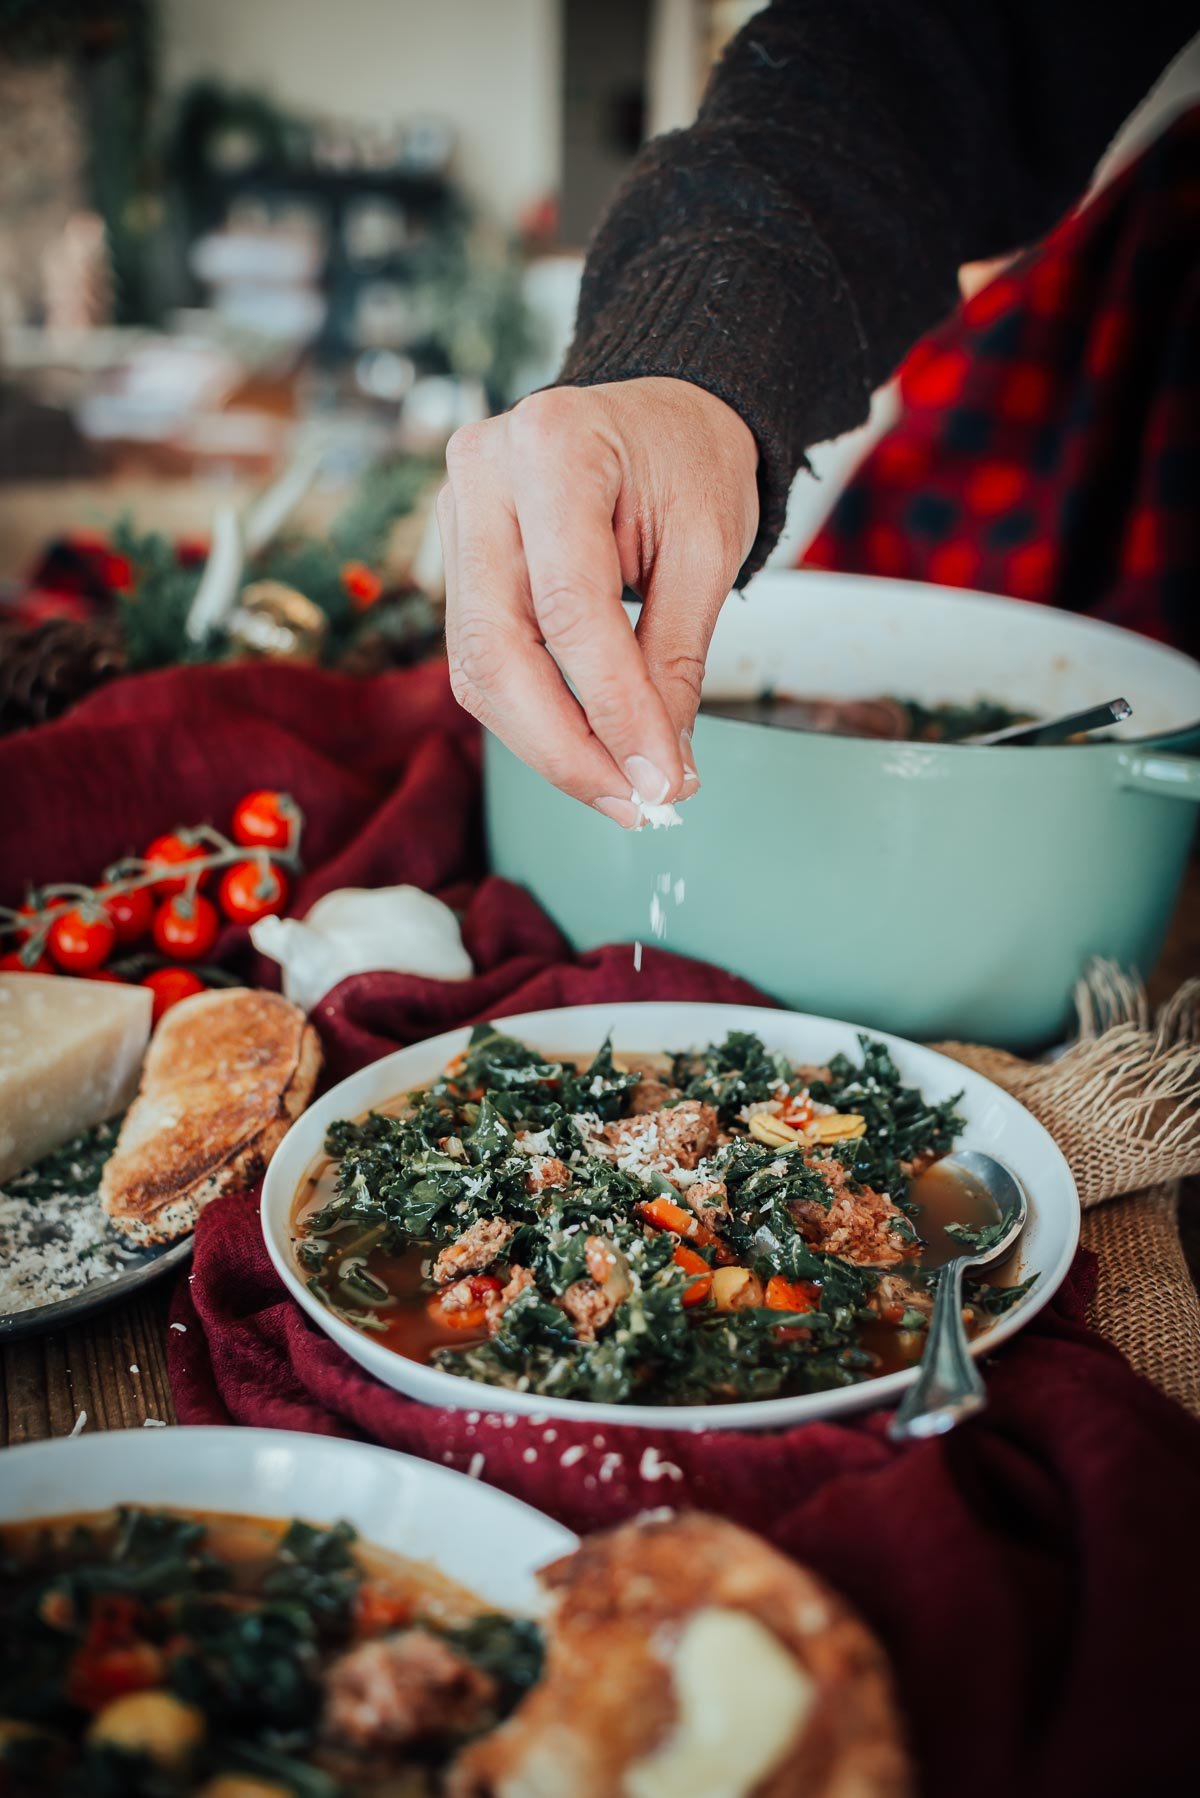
pixel 490 66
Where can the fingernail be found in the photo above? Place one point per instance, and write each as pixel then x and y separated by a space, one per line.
pixel 690 776
pixel 621 811
pixel 648 782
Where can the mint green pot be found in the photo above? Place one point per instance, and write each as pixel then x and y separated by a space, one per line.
pixel 931 890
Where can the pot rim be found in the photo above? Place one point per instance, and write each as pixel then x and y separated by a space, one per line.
pixel 1175 737
pixel 773 580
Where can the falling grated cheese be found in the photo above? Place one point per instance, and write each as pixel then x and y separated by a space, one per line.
pixel 658 817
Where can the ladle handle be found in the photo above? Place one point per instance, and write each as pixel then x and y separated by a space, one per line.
pixel 948 1387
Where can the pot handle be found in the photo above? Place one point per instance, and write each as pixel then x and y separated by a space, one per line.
pixel 1168 776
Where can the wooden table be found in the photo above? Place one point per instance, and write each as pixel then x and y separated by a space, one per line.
pixel 46 1382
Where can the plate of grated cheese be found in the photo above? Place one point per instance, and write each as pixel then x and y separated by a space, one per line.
pixel 60 1257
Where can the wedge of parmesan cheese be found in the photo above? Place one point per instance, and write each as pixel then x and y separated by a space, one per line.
pixel 70 1055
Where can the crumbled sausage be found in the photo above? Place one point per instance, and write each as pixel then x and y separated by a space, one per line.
pixel 678 1136
pixel 460 1295
pixel 894 1295
pixel 475 1249
pixel 404 1688
pixel 546 1171
pixel 589 1308
pixel 650 1094
pixel 688 1131
pixel 495 1304
pixel 811 1075
pixel 858 1225
pixel 709 1199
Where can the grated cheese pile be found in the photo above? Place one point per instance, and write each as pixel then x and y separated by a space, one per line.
pixel 56 1244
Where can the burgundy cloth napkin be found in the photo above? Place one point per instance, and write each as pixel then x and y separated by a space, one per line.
pixel 1035 1576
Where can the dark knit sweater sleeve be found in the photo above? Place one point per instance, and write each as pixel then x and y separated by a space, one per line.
pixel 848 158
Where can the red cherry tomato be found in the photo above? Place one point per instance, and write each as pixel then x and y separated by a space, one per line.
pixel 12 964
pixel 171 851
pixel 248 891
pixel 186 928
pixel 79 942
pixel 130 913
pixel 263 820
pixel 169 986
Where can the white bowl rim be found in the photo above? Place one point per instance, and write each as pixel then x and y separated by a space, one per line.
pixel 135 1448
pixel 432 1386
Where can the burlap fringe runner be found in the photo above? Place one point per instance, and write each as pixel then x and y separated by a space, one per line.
pixel 1123 1104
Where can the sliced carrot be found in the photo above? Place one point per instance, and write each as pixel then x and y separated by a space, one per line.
pixel 692 1263
pixel 377 1610
pixel 792 1295
pixel 664 1214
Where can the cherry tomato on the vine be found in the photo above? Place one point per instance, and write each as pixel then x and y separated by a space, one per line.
pixel 186 928
pixel 171 851
pixel 263 820
pixel 249 890
pixel 169 986
pixel 79 941
pixel 23 932
pixel 12 964
pixel 130 913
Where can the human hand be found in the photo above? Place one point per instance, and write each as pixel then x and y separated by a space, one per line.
pixel 547 512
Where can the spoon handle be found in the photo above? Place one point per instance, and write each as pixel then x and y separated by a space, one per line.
pixel 948 1387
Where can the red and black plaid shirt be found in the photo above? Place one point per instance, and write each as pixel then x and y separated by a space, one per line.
pixel 1049 446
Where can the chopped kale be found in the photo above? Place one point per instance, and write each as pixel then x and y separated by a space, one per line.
pixel 730 1075
pixel 509 1648
pixel 901 1124
pixel 601 1088
pixel 978 1239
pixel 317 1568
pixel 993 1301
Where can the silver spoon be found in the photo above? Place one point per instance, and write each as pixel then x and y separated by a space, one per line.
pixel 948 1387
pixel 1043 731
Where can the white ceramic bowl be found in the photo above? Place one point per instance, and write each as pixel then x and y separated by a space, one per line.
pixel 995 1122
pixel 488 1542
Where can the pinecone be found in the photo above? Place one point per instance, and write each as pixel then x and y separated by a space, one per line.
pixel 45 668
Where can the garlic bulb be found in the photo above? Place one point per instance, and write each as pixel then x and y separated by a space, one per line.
pixel 360 930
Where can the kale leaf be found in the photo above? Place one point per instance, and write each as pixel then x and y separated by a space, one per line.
pixel 509 1648
pixel 730 1075
pixel 901 1124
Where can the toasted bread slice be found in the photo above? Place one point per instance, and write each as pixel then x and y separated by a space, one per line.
pixel 793 1698
pixel 225 1074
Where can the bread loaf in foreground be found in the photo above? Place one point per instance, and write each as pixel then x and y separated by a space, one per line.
pixel 686 1656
